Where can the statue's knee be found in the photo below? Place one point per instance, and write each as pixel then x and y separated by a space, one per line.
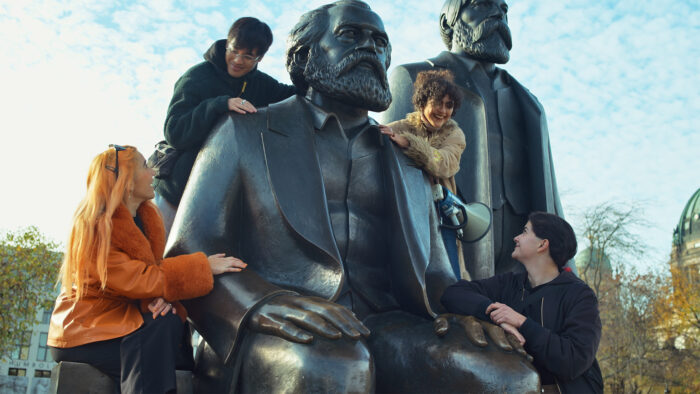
pixel 272 364
pixel 486 369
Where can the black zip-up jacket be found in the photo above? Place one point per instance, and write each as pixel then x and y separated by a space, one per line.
pixel 199 100
pixel 562 330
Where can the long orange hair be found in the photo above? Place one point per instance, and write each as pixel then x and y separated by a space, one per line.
pixel 91 232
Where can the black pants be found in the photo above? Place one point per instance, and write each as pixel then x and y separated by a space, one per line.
pixel 141 362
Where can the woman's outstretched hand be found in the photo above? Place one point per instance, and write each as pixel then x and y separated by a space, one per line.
pixel 220 263
pixel 398 139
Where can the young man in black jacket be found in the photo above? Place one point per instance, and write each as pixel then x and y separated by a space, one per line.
pixel 228 80
pixel 551 311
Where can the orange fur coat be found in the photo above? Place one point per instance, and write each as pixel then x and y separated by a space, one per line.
pixel 136 273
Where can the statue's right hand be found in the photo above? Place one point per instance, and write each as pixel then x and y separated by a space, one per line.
pixel 299 318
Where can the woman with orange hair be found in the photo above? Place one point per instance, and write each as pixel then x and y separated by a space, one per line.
pixel 118 309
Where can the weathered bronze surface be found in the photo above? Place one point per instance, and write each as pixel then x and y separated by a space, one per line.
pixel 345 261
pixel 507 163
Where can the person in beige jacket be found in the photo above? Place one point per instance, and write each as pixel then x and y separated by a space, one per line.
pixel 432 139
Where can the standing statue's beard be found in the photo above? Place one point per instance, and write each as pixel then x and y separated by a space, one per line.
pixel 490 41
pixel 358 80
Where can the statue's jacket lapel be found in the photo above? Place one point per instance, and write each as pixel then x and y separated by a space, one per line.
pixel 288 147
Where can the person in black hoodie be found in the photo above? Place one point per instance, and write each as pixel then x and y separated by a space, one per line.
pixel 228 80
pixel 548 309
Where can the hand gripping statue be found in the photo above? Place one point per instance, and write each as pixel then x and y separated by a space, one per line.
pixel 345 261
pixel 507 163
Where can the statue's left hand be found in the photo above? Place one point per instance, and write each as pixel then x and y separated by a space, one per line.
pixel 474 328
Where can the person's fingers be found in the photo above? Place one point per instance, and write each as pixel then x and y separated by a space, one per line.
pixel 474 330
pixel 277 326
pixel 238 263
pixel 491 308
pixel 497 335
pixel 239 110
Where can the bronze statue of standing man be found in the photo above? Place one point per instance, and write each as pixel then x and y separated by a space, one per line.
pixel 507 163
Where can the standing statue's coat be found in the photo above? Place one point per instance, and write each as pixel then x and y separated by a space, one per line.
pixel 473 179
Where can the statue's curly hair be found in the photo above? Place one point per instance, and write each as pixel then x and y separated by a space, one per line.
pixel 434 85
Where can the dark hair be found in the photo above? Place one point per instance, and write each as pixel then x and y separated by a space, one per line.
pixel 561 237
pixel 250 33
pixel 306 35
pixel 448 17
pixel 434 85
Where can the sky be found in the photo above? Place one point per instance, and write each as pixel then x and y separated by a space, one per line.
pixel 618 80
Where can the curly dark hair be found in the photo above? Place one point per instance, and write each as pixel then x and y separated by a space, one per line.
pixel 434 85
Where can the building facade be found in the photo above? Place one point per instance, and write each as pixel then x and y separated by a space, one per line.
pixel 28 371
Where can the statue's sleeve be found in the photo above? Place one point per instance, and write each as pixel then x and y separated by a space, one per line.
pixel 203 223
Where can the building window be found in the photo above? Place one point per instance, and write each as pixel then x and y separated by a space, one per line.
pixel 42 373
pixel 17 372
pixel 21 351
pixel 46 316
pixel 42 352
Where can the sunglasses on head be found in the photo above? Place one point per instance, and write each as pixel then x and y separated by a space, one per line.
pixel 115 169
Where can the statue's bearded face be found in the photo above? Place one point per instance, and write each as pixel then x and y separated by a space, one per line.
pixel 482 31
pixel 349 62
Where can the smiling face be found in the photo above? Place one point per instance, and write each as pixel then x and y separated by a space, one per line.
pixel 143 180
pixel 349 62
pixel 240 61
pixel 438 112
pixel 526 244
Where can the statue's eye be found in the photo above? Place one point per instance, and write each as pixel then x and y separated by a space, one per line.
pixel 381 41
pixel 349 34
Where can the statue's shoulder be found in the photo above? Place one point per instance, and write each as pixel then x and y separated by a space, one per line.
pixel 522 90
pixel 443 60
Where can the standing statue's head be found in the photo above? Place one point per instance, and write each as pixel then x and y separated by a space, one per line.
pixel 342 51
pixel 479 28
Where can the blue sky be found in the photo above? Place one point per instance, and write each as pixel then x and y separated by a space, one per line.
pixel 618 79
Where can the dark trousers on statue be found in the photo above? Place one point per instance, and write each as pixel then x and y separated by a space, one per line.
pixel 141 362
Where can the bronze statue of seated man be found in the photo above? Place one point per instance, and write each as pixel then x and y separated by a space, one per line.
pixel 345 261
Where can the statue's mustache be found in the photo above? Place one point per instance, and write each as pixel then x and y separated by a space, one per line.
pixel 490 26
pixel 357 57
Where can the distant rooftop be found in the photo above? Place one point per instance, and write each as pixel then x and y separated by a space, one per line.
pixel 688 228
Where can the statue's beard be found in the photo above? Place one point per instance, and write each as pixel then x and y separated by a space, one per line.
pixel 350 82
pixel 490 41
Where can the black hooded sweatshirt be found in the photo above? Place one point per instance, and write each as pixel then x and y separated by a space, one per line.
pixel 199 100
pixel 562 329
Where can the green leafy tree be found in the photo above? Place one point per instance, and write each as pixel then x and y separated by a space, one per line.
pixel 29 266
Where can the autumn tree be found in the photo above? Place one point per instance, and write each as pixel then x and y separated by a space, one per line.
pixel 609 249
pixel 29 266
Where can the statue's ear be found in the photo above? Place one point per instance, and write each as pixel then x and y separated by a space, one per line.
pixel 301 56
pixel 445 26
